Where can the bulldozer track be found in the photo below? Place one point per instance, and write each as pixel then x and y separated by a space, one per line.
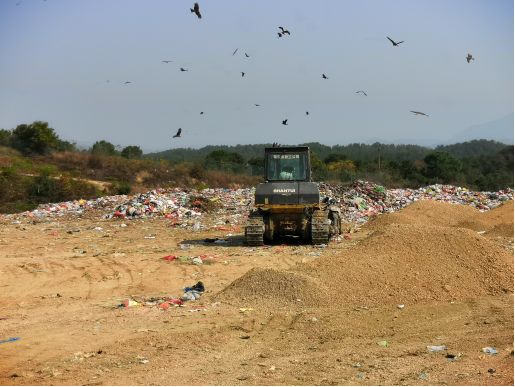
pixel 254 231
pixel 319 227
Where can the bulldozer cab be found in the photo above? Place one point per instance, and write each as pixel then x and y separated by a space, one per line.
pixel 287 164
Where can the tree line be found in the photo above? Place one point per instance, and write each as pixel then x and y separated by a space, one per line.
pixel 478 164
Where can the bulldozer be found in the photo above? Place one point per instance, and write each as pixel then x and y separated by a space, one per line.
pixel 288 203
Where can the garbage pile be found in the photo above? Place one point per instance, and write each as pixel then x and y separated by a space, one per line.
pixel 182 207
pixel 230 207
pixel 364 199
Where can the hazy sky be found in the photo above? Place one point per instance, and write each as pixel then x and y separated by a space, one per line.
pixel 57 56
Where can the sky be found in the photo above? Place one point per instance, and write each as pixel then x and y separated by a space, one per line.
pixel 65 62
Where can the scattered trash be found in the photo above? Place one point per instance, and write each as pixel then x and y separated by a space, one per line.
pixel 192 293
pixel 246 310
pixel 491 370
pixel 423 376
pixel 129 303
pixel 383 343
pixel 170 257
pixel 436 348
pixel 197 261
pixel 150 237
pixel 9 340
pixel 246 337
pixel 400 306
pixel 185 246
pixel 489 350
pixel 453 357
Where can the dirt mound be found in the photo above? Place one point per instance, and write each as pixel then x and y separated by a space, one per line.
pixel 429 251
pixel 451 215
pixel 407 263
pixel 264 286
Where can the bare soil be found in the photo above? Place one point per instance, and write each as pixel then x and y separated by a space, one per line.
pixel 279 315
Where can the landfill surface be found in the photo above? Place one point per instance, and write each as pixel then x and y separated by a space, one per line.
pixel 160 288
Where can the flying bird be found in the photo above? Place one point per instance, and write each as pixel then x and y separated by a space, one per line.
pixel 183 69
pixel 419 113
pixel 283 31
pixel 324 76
pixel 201 113
pixel 196 10
pixel 126 82
pixel 235 51
pixel 307 113
pixel 469 57
pixel 279 34
pixel 247 55
pixel 242 74
pixel 178 134
pixel 394 43
pixel 361 91
pixel 285 122
pixel 256 104
pixel 167 61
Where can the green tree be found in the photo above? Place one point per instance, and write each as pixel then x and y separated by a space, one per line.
pixel 132 152
pixel 318 168
pixel 103 148
pixel 36 138
pixel 223 160
pixel 5 137
pixel 257 165
pixel 335 157
pixel 442 167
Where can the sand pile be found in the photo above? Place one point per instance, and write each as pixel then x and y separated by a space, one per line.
pixel 403 263
pixel 429 251
pixel 269 286
pixel 498 221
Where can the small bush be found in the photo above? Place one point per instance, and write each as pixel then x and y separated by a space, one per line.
pixel 121 188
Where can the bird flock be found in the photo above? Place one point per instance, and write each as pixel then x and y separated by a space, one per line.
pixel 283 32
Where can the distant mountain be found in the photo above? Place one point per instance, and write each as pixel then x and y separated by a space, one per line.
pixel 499 130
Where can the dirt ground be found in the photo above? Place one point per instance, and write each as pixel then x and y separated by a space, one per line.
pixel 314 316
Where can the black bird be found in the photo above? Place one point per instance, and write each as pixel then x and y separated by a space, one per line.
pixel 256 104
pixel 324 76
pixel 469 57
pixel 395 44
pixel 283 31
pixel 279 34
pixel 126 82
pixel 235 51
pixel 361 91
pixel 167 61
pixel 307 113
pixel 201 113
pixel 178 134
pixel 183 69
pixel 275 145
pixel 285 122
pixel 247 55
pixel 242 74
pixel 196 10
pixel 419 113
